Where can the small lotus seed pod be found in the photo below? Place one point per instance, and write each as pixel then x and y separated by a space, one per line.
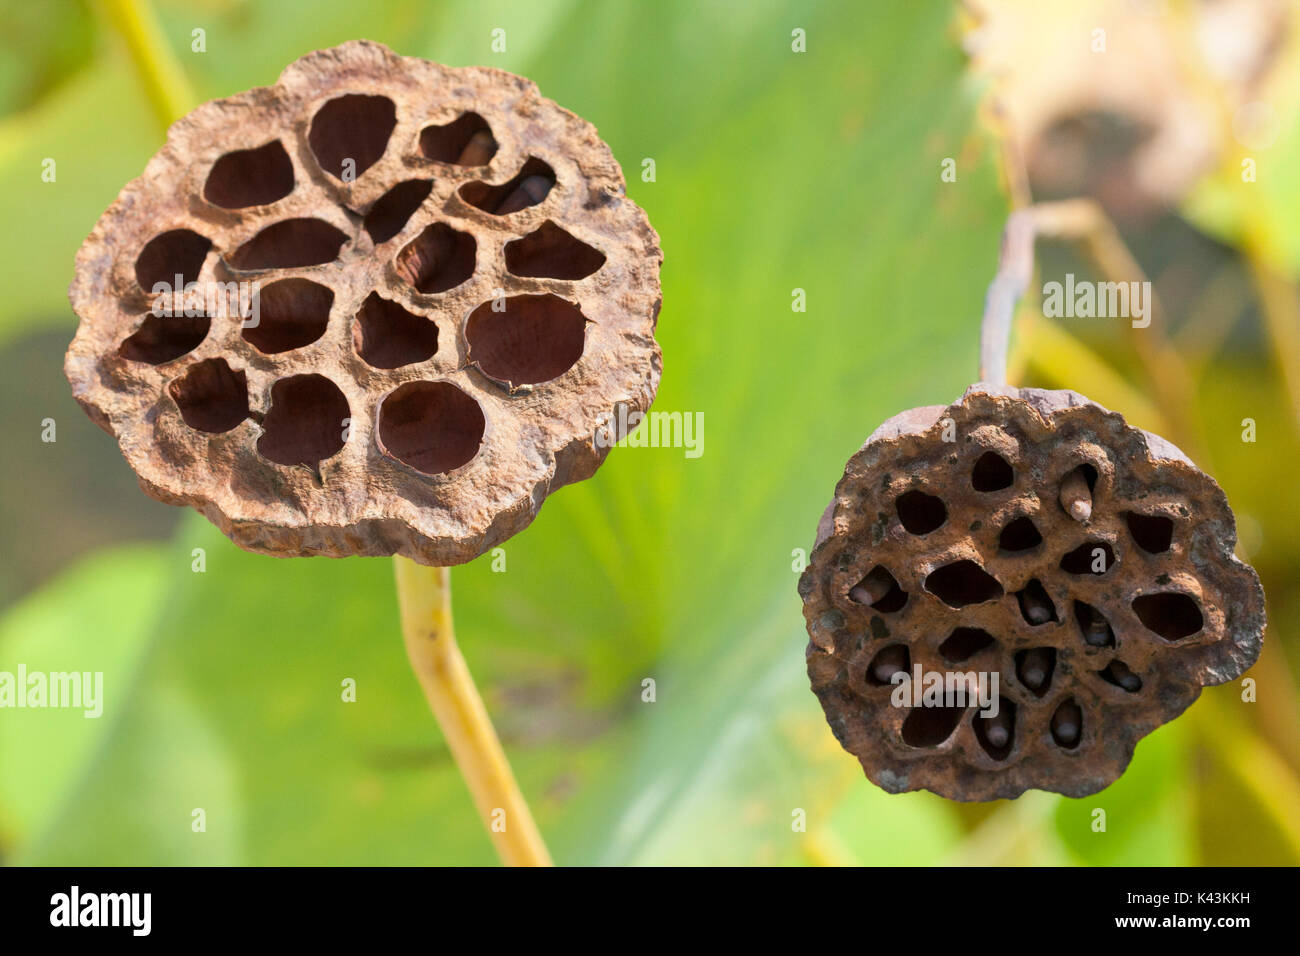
pixel 383 306
pixel 1085 564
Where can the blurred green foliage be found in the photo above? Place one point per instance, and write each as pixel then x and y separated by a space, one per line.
pixel 775 171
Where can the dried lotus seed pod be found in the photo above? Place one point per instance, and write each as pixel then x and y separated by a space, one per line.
pixel 1035 536
pixel 453 295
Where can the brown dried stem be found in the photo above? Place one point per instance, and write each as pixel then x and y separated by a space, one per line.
pixel 1085 222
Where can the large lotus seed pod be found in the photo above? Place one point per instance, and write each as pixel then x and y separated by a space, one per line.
pixel 453 296
pixel 1035 536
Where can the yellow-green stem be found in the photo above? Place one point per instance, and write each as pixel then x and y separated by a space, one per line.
pixel 424 596
pixel 160 72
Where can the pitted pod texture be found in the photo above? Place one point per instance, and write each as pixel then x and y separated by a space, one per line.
pixel 1035 536
pixel 453 296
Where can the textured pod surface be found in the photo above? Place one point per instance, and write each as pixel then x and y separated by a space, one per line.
pixel 1035 536
pixel 454 296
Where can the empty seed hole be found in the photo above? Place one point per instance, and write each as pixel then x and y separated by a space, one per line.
pixel 1170 614
pixel 535 339
pixel 888 662
pixel 432 426
pixel 387 336
pixel 1019 535
pixel 177 253
pixel 962 583
pixel 991 473
pixel 1152 533
pixel 549 252
pixel 1091 557
pixel 530 186
pixel 930 726
pixel 1034 668
pixel 391 211
pixel 466 141
pixel 305 423
pixel 163 338
pixel 879 590
pixel 1035 606
pixel 996 734
pixel 290 244
pixel 1118 673
pixel 1094 627
pixel 920 513
pixel 291 313
pixel 250 177
pixel 350 133
pixel 964 643
pixel 1067 724
pixel 438 259
pixel 211 396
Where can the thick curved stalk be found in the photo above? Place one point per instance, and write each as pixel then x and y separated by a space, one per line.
pixel 424 596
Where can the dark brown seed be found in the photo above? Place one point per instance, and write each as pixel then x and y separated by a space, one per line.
pixel 1035 606
pixel 1125 677
pixel 1066 724
pixel 889 662
pixel 869 590
pixel 478 150
pixel 998 729
pixel 1098 631
pixel 1035 667
pixel 529 192
pixel 1076 498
